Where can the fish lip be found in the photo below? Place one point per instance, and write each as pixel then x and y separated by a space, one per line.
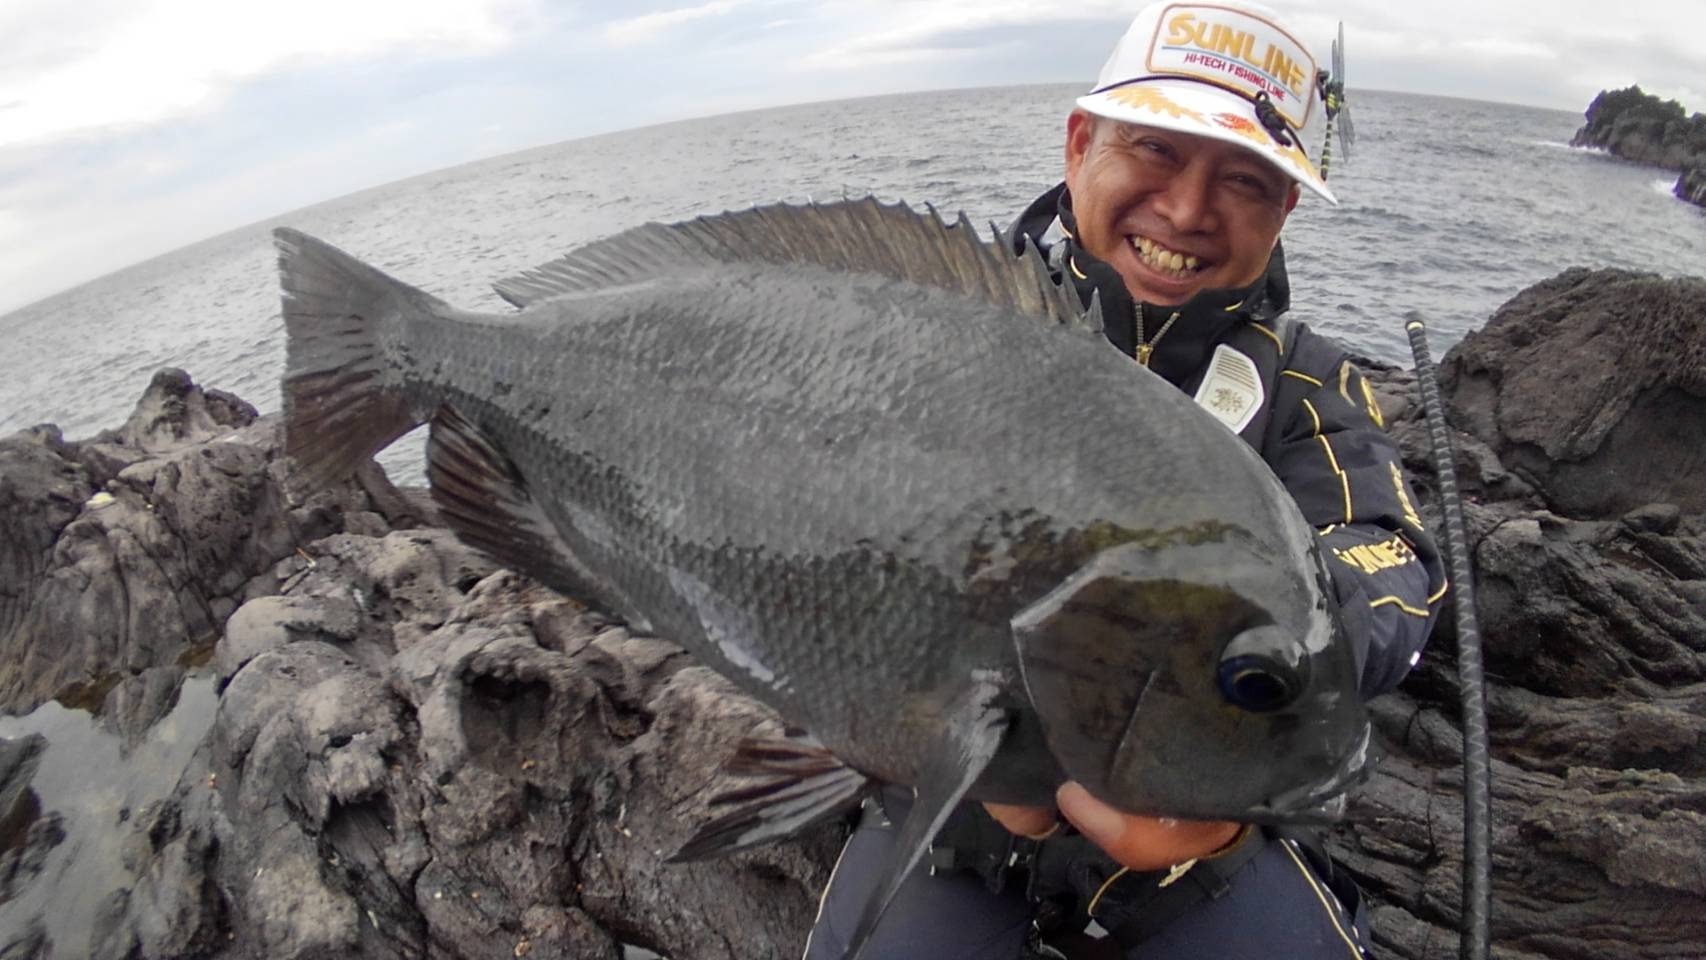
pixel 1325 801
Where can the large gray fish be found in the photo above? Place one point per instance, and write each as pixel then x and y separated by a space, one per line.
pixel 863 464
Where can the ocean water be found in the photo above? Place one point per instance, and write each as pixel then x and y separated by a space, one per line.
pixel 1447 206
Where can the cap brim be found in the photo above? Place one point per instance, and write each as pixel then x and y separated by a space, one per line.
pixel 1205 110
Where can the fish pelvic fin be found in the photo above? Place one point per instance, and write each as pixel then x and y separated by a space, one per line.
pixel 343 394
pixel 798 783
pixel 975 728
pixel 483 497
pixel 856 236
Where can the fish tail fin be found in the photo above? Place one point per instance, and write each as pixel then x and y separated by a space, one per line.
pixel 799 783
pixel 343 400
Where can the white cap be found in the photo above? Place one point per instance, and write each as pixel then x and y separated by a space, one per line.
pixel 1202 68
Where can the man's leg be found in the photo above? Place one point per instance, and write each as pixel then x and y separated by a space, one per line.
pixel 949 916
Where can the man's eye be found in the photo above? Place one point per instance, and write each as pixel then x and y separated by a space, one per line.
pixel 1251 183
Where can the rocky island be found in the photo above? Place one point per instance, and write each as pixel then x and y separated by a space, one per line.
pixel 1638 126
pixel 370 741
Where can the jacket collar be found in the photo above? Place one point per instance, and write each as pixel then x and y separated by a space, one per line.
pixel 1203 322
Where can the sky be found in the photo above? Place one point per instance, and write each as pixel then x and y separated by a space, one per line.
pixel 129 128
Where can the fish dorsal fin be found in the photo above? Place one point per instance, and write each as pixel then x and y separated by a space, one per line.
pixel 861 236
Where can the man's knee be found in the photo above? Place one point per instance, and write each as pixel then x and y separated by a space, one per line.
pixel 950 916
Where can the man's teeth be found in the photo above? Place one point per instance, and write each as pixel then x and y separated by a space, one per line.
pixel 1162 258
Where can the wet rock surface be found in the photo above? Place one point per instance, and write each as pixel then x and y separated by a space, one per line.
pixel 417 754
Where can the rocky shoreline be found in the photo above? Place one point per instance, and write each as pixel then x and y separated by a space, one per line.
pixel 1638 126
pixel 416 754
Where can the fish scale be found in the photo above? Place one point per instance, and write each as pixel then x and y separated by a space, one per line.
pixel 852 429
pixel 876 487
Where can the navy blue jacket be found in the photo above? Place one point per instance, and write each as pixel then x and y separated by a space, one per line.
pixel 1314 420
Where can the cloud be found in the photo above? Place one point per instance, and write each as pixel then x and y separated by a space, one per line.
pixel 1502 47
pixel 1558 55
pixel 144 63
pixel 649 26
pixel 902 31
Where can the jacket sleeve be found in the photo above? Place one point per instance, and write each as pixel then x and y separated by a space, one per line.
pixel 1332 453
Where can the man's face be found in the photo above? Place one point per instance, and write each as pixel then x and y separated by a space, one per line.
pixel 1147 199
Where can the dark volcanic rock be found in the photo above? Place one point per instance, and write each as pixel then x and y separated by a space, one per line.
pixel 1594 628
pixel 127 551
pixel 26 835
pixel 1638 126
pixel 1691 186
pixel 30 943
pixel 1590 387
pixel 458 764
pixel 18 761
pixel 42 489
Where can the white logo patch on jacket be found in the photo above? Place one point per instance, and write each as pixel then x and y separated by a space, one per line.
pixel 1232 388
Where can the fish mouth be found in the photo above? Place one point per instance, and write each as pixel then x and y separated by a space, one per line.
pixel 1324 801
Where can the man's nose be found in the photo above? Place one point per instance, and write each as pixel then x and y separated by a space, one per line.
pixel 1187 200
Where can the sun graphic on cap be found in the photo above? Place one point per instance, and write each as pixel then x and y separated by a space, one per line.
pixel 1246 128
pixel 1140 97
pixel 1240 125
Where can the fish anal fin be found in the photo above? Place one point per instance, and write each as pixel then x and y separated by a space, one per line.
pixel 975 728
pixel 483 497
pixel 796 782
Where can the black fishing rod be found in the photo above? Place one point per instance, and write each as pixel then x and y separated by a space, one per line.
pixel 1471 677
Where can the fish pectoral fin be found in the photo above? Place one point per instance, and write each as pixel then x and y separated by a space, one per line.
pixel 976 725
pixel 800 783
pixel 486 501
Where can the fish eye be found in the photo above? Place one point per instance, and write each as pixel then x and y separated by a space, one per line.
pixel 1254 688
pixel 1262 670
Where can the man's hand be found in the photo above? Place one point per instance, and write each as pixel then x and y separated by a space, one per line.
pixel 1141 843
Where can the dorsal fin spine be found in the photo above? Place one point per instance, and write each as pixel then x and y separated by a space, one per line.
pixel 864 235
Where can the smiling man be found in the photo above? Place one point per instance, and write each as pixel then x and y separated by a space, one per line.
pixel 1182 167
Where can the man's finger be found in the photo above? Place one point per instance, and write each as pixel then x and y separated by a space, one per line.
pixel 1033 822
pixel 1142 843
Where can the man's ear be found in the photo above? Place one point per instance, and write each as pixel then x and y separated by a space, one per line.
pixel 1080 131
pixel 1291 198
